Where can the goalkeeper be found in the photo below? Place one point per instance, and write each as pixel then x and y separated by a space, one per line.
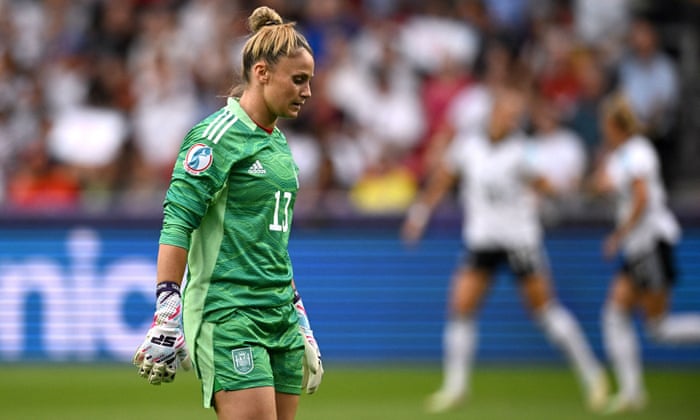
pixel 227 217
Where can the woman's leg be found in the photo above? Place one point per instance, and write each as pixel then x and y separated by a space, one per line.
pixel 460 337
pixel 622 345
pixel 563 330
pixel 247 404
pixel 286 405
pixel 666 328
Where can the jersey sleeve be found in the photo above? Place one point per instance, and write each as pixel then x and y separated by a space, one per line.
pixel 200 173
pixel 639 161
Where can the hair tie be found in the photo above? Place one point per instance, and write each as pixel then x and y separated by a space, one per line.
pixel 270 23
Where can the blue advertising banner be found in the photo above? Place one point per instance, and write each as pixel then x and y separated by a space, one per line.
pixel 84 293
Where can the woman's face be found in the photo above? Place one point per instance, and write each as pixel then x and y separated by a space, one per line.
pixel 289 84
pixel 611 132
pixel 506 114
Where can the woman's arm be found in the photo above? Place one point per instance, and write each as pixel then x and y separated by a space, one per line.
pixel 171 264
pixel 164 350
pixel 544 187
pixel 419 213
pixel 640 198
pixel 599 182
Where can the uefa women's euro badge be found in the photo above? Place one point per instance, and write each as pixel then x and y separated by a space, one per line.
pixel 198 159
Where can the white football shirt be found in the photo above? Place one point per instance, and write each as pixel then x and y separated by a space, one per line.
pixel 637 159
pixel 500 207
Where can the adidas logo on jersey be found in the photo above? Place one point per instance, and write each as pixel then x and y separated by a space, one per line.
pixel 257 168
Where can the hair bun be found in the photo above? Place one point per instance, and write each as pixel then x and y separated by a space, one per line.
pixel 263 16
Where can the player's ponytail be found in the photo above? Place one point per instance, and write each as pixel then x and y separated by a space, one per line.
pixel 270 39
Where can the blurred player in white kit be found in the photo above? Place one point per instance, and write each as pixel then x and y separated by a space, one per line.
pixel 499 183
pixel 645 234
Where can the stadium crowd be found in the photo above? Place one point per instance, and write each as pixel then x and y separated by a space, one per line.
pixel 96 96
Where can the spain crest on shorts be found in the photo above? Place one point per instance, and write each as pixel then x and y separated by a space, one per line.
pixel 243 360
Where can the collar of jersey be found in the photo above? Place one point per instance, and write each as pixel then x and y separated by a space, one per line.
pixel 235 107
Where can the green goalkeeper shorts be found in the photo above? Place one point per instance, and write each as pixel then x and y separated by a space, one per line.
pixel 255 347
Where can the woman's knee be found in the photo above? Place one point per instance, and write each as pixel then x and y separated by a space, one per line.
pixel 622 293
pixel 537 292
pixel 468 289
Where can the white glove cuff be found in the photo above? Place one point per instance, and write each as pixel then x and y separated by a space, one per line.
pixel 168 303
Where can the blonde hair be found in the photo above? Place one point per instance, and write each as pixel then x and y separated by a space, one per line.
pixel 271 39
pixel 618 109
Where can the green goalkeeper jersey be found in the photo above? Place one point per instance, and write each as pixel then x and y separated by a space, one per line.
pixel 230 204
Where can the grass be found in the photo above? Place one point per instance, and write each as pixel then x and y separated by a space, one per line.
pixel 348 392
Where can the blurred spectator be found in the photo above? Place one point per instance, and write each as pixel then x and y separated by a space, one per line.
pixel 353 68
pixel 344 150
pixel 475 14
pixel 427 40
pixel 27 21
pixel 89 139
pixel 165 109
pixel 213 32
pixel 594 85
pixel 40 184
pixel 553 67
pixel 602 24
pixel 20 108
pixel 386 138
pixel 64 62
pixel 508 15
pixel 160 64
pixel 437 94
pixel 378 92
pixel 112 28
pixel 389 118
pixel 649 78
pixel 64 80
pixel 116 84
pixel 559 151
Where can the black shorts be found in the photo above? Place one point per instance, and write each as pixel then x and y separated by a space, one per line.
pixel 522 262
pixel 655 270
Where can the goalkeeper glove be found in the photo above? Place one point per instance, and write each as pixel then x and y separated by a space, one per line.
pixel 164 348
pixel 313 368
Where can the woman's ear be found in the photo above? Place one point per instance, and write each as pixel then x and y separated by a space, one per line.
pixel 261 72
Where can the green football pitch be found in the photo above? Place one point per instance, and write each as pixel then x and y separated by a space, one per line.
pixel 347 392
